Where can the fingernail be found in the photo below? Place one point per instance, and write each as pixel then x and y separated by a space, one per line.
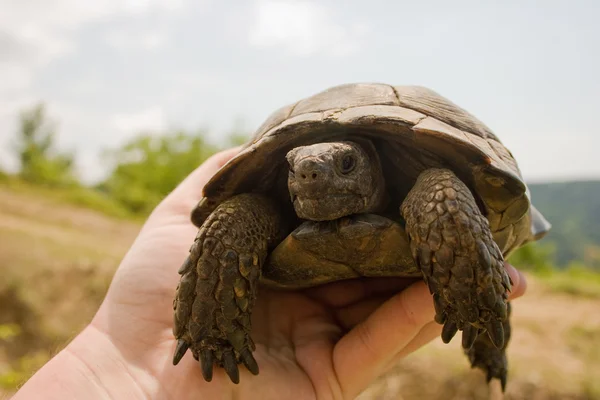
pixel 518 279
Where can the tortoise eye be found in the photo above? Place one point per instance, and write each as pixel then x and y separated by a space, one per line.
pixel 291 169
pixel 348 164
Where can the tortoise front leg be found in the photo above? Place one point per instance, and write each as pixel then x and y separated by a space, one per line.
pixel 217 290
pixel 452 244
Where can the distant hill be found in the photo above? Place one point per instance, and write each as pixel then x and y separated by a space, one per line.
pixel 573 208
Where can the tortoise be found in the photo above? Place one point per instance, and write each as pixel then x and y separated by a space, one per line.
pixel 359 180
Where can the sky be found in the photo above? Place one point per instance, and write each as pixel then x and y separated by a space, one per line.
pixel 107 70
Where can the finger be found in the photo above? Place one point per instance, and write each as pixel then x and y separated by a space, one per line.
pixel 366 351
pixel 187 194
pixel 350 316
pixel 431 331
pixel 519 285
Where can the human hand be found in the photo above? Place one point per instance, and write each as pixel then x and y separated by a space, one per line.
pixel 326 342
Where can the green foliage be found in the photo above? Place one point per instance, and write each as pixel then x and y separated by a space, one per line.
pixel 40 162
pixel 535 257
pixel 150 166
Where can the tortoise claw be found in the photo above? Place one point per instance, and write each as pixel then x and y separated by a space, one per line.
pixel 440 312
pixel 249 361
pixel 206 362
pixel 503 381
pixel 231 367
pixel 180 350
pixel 469 335
pixel 495 331
pixel 186 266
pixel 449 331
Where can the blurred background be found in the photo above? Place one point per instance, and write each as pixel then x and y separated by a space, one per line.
pixel 94 95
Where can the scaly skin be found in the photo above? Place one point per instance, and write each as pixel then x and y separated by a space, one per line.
pixel 218 284
pixel 452 244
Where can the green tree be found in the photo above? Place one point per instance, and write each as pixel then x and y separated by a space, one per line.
pixel 40 162
pixel 149 166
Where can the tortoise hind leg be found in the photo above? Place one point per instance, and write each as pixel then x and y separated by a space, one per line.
pixel 217 289
pixel 452 244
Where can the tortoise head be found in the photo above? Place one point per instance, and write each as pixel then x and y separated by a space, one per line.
pixel 331 180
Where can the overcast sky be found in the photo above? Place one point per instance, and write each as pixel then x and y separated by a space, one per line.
pixel 107 69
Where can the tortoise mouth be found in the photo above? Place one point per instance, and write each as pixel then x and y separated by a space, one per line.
pixel 328 207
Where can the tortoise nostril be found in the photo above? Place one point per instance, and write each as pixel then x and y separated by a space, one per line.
pixel 310 172
pixel 312 175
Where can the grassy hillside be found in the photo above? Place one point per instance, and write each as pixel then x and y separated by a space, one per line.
pixel 573 208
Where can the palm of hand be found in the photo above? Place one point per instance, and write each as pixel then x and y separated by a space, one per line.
pixel 327 342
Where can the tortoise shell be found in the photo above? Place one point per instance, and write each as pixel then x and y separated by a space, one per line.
pixel 413 128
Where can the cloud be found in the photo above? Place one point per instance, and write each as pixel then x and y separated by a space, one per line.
pixel 303 28
pixel 153 40
pixel 71 14
pixel 35 32
pixel 150 119
pixel 14 80
pixel 125 41
pixel 142 6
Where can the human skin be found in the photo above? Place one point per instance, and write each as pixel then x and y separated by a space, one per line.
pixel 328 342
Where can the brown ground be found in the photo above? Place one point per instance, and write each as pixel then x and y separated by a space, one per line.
pixel 56 262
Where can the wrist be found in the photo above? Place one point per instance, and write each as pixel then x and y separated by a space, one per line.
pixel 89 367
